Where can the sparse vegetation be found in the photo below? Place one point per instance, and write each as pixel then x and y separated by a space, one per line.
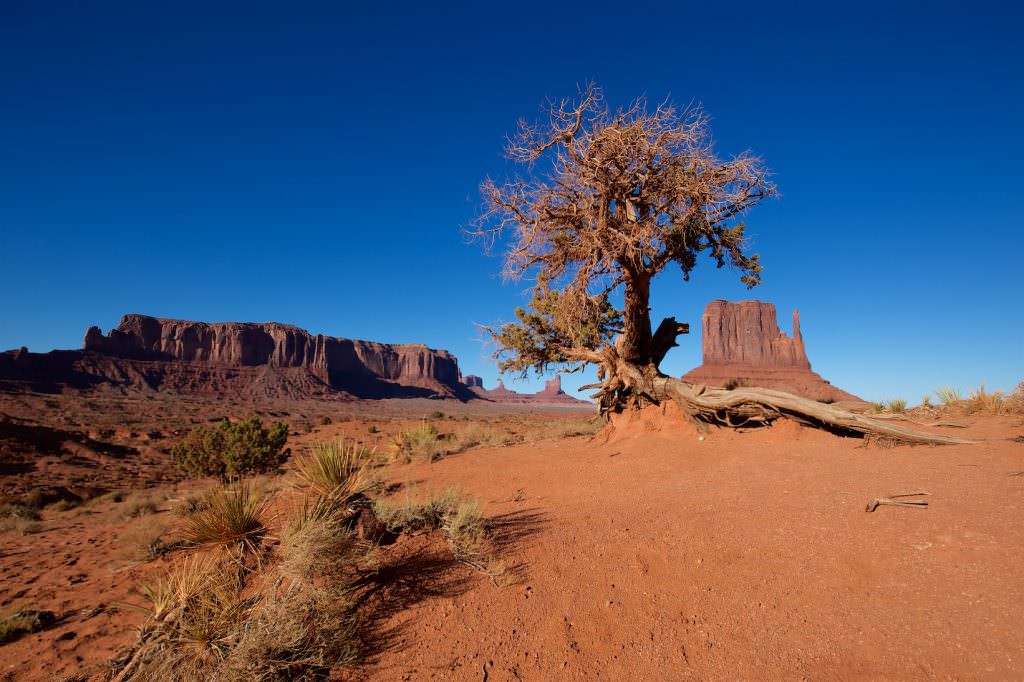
pixel 983 401
pixel 1015 401
pixel 417 443
pixel 138 504
pixel 453 513
pixel 143 540
pixel 232 449
pixel 22 623
pixel 895 405
pixel 19 518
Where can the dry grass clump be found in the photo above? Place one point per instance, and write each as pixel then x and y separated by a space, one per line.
pixel 982 401
pixel 299 636
pixel 335 469
pixel 477 434
pixel 417 443
pixel 556 429
pixel 138 504
pixel 318 542
pixel 194 611
pixel 465 529
pixel 231 516
pixel 210 617
pixel 895 405
pixel 1014 403
pixel 19 518
pixel 143 540
pixel 22 623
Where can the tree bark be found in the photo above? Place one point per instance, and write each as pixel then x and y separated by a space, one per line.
pixel 635 341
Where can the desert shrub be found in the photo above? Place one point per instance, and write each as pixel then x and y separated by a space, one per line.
pixel 317 542
pixel 138 504
pixel 948 395
pixel 418 442
pixel 143 540
pixel 877 406
pixel 24 622
pixel 895 405
pixel 562 428
pixel 19 525
pixel 19 510
pixel 209 618
pixel 466 530
pixel 232 449
pixel 302 636
pixel 981 400
pixel 63 505
pixel 373 429
pixel 1015 401
pixel 413 515
pixel 335 469
pixel 190 503
pixel 194 612
pixel 733 384
pixel 437 414
pixel 479 434
pixel 325 421
pixel 231 516
pixel 34 498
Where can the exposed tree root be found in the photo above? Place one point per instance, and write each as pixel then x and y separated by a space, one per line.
pixel 626 385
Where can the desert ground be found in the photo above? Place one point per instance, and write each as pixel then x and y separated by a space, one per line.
pixel 648 551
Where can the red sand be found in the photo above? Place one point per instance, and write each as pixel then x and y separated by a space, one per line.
pixel 653 555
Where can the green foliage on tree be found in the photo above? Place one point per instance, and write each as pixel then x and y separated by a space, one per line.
pixel 232 449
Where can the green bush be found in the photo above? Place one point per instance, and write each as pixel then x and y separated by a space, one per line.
pixel 231 450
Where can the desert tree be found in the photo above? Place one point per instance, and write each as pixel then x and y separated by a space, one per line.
pixel 608 199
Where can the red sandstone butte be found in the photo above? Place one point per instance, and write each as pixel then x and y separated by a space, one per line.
pixel 742 343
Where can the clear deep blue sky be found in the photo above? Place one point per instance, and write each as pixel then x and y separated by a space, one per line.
pixel 313 163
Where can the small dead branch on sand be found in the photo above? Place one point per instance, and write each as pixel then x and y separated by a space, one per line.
pixel 893 500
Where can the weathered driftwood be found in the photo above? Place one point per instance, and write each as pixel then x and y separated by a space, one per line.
pixel 897 501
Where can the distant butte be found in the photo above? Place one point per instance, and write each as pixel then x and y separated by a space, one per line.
pixel 742 343
pixel 551 395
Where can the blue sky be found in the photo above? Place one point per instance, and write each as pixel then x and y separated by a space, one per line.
pixel 312 163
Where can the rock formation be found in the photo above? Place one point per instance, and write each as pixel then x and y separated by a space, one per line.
pixel 742 344
pixel 241 359
pixel 552 394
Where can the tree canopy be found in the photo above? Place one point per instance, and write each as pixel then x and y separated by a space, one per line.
pixel 608 200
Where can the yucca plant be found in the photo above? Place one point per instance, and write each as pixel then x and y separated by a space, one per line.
pixel 334 469
pixel 231 517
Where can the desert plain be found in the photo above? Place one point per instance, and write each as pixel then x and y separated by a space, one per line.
pixel 652 550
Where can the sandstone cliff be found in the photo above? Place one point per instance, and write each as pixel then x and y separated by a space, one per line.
pixel 742 343
pixel 247 359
